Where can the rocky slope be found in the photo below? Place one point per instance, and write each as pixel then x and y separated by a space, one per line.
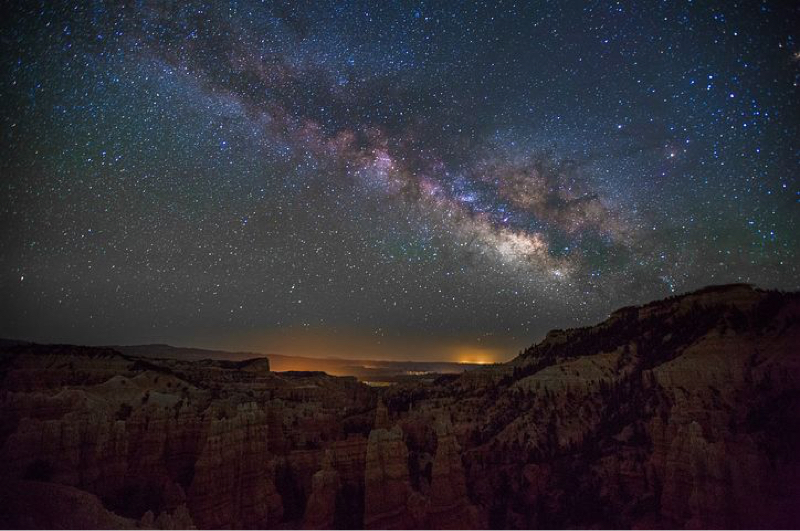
pixel 167 443
pixel 680 413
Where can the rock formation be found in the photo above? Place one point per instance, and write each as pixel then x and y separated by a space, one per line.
pixel 321 507
pixel 389 502
pixel 233 476
pixel 164 443
pixel 382 417
pixel 450 507
pixel 680 413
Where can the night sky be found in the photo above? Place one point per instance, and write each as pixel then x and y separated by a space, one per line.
pixel 409 180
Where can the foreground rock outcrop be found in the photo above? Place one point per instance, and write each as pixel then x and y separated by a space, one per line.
pixel 165 443
pixel 389 502
pixel 321 506
pixel 680 413
pixel 450 507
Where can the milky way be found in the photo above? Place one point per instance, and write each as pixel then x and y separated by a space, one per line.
pixel 476 174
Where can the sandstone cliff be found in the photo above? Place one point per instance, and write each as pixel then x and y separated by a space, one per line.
pixel 680 413
pixel 321 507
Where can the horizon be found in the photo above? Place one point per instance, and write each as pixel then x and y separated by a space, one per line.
pixel 265 353
pixel 480 356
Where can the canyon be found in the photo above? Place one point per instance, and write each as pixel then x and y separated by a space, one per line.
pixel 680 413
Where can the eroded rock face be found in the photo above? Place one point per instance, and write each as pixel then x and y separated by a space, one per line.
pixel 234 477
pixel 388 499
pixel 440 502
pixel 450 507
pixel 680 413
pixel 321 507
pixel 165 443
pixel 349 458
pixel 382 417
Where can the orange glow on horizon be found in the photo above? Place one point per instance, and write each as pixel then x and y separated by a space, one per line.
pixel 349 345
pixel 477 355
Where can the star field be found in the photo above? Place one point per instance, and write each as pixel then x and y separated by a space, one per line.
pixel 213 174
